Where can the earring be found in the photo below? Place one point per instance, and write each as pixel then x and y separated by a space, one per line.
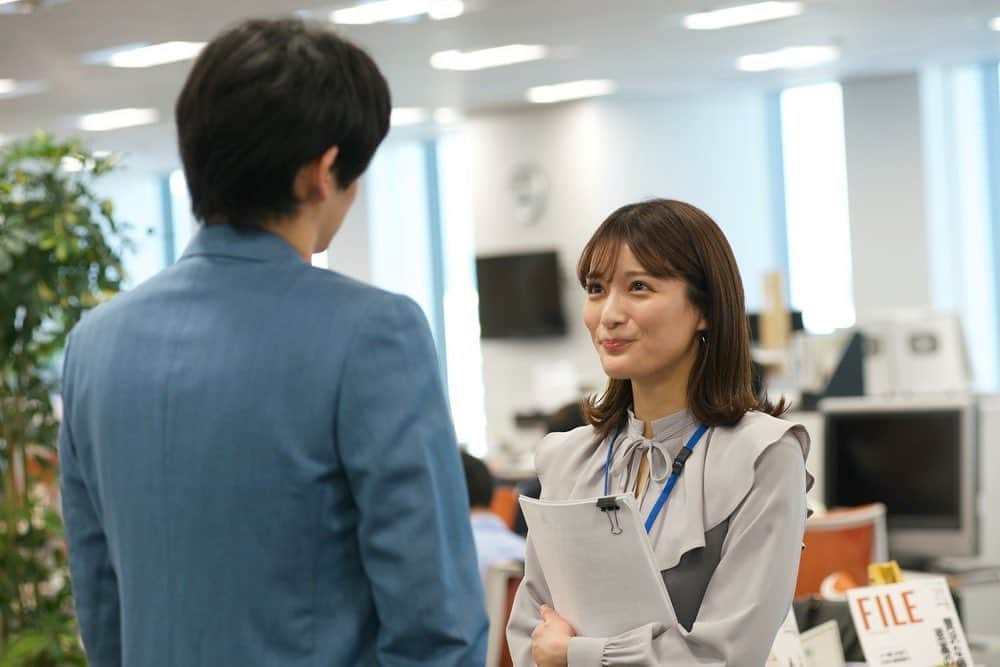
pixel 703 338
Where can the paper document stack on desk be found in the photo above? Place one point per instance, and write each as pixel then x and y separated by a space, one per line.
pixel 598 564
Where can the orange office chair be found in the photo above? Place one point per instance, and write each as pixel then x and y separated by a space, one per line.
pixel 842 540
pixel 504 504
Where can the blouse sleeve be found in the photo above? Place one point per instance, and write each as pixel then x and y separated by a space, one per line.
pixel 747 598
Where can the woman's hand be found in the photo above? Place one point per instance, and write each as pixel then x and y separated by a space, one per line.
pixel 550 640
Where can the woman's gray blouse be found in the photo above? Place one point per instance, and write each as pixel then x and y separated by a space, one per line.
pixel 727 542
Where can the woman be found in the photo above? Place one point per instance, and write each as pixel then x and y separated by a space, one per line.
pixel 665 311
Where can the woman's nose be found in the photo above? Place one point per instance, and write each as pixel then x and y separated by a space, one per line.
pixel 612 314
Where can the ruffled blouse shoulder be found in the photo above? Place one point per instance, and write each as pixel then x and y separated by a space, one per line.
pixel 731 458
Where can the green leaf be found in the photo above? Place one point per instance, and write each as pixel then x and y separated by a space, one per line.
pixel 25 647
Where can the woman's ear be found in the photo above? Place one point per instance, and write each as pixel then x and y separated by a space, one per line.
pixel 702 328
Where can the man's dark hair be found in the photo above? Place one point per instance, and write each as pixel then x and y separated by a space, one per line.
pixel 479 480
pixel 265 98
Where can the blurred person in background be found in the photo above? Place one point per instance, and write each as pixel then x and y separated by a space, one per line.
pixel 495 542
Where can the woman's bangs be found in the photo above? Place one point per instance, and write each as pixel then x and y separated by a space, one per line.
pixel 599 258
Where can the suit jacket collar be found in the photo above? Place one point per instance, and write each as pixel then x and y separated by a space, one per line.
pixel 252 244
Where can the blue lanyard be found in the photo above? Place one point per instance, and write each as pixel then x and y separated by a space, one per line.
pixel 678 468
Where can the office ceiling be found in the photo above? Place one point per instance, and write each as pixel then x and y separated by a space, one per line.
pixel 638 43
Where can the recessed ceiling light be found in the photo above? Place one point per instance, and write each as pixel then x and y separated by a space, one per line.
pixel 446 9
pixel 794 57
pixel 995 24
pixel 117 118
pixel 572 90
pixel 147 55
pixel 484 58
pixel 407 116
pixel 446 116
pixel 394 10
pixel 742 15
pixel 14 88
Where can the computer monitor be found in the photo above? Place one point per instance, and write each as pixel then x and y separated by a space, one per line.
pixel 520 296
pixel 915 456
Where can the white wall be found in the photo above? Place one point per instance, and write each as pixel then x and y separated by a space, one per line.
pixel 711 151
pixel 921 227
pixel 885 180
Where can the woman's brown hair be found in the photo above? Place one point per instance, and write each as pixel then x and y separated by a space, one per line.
pixel 672 239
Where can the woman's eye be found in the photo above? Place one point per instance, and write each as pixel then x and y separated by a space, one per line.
pixel 638 285
pixel 594 288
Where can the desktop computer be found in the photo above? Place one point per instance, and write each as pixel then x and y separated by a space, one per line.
pixel 918 458
pixel 934 461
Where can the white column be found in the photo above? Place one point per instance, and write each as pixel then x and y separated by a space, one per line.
pixel 886 185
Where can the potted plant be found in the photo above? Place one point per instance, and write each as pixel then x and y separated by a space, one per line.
pixel 60 254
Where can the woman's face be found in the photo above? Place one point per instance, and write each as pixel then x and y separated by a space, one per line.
pixel 644 328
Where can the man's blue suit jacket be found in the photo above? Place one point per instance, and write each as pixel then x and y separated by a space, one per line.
pixel 259 468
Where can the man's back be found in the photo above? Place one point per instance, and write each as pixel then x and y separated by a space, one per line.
pixel 259 469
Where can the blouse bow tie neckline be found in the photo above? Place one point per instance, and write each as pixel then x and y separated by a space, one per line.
pixel 628 456
pixel 671 429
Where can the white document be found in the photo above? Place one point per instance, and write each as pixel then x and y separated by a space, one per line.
pixel 599 565
pixel 787 648
pixel 911 624
pixel 822 645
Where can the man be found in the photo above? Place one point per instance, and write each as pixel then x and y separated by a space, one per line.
pixel 258 465
pixel 495 542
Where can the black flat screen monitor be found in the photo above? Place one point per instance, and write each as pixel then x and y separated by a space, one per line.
pixel 918 462
pixel 519 296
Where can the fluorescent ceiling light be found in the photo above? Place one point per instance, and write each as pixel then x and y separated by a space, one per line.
pixel 8 2
pixel 446 9
pixel 794 57
pixel 394 10
pixel 117 118
pixel 150 55
pixel 446 116
pixel 13 88
pixel 407 116
pixel 102 154
pixel 572 90
pixel 484 58
pixel 995 24
pixel 742 15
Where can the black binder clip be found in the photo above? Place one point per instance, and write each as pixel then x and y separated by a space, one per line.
pixel 609 506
